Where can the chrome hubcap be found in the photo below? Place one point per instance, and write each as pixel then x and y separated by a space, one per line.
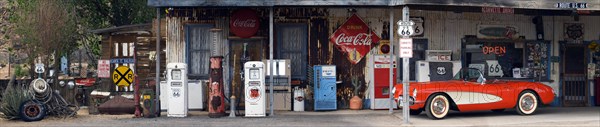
pixel 527 103
pixel 438 106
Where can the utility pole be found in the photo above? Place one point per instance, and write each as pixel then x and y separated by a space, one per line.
pixel 405 30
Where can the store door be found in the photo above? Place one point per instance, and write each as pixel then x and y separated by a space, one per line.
pixel 574 82
pixel 241 51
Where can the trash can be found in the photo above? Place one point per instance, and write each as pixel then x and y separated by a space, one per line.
pixel 148 103
pixel 298 99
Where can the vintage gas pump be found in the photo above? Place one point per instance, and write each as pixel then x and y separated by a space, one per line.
pixel 255 89
pixel 177 90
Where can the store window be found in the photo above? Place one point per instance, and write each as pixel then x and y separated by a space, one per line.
pixel 506 58
pixel 198 50
pixel 292 43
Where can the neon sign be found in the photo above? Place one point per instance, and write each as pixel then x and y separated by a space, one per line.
pixel 498 50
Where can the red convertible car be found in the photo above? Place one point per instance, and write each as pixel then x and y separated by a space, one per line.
pixel 470 91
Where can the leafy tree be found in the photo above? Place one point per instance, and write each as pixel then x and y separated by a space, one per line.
pixel 97 14
pixel 45 29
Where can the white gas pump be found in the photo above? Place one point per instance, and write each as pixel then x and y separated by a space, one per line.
pixel 254 81
pixel 177 90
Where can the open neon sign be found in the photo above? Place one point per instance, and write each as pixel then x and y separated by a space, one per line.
pixel 498 50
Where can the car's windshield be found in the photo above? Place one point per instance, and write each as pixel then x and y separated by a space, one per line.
pixel 467 74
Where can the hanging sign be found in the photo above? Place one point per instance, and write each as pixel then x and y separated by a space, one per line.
pixel 354 38
pixel 244 23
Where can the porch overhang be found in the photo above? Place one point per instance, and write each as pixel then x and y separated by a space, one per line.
pixel 523 4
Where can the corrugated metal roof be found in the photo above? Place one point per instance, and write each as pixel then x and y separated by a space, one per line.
pixel 528 4
pixel 266 3
pixel 126 28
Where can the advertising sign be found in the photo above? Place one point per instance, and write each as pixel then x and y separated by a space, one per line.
pixel 244 23
pixel 354 38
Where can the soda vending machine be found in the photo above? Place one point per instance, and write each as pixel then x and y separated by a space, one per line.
pixel 254 82
pixel 177 90
pixel 325 87
pixel 381 81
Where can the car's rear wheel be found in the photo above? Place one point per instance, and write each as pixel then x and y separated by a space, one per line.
pixel 527 103
pixel 437 106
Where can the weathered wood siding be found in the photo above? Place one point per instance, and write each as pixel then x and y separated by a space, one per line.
pixel 443 29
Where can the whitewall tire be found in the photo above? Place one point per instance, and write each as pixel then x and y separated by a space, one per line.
pixel 527 103
pixel 437 106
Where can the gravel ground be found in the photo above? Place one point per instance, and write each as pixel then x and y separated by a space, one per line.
pixel 585 116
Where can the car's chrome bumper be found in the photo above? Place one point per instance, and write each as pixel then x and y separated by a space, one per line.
pixel 411 101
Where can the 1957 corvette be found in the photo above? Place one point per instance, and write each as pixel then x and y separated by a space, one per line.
pixel 470 91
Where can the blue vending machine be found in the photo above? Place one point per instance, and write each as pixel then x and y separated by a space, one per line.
pixel 325 87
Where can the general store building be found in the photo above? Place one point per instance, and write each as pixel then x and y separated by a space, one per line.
pixel 553 42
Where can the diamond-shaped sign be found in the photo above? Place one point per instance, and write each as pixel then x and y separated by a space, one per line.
pixel 354 38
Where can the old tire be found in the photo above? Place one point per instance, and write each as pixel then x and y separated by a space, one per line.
pixel 498 110
pixel 437 106
pixel 416 112
pixel 527 103
pixel 32 111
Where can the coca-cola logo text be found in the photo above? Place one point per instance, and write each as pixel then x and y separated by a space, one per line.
pixel 244 23
pixel 360 39
pixel 354 38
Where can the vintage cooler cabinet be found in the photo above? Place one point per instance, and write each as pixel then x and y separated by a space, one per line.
pixel 325 87
pixel 254 81
pixel 177 90
pixel 436 70
pixel 196 97
pixel 282 95
pixel 381 82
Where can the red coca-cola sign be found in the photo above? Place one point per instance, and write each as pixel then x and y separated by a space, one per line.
pixel 354 38
pixel 244 23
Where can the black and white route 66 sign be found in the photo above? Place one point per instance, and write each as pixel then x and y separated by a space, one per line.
pixel 419 29
pixel 405 28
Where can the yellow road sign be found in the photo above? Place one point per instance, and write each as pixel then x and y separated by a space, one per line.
pixel 123 76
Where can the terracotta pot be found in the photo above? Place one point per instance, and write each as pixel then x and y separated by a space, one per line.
pixel 356 103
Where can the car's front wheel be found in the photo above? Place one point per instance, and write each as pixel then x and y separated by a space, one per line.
pixel 527 103
pixel 437 106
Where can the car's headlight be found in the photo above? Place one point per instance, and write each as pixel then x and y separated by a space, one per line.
pixel 414 94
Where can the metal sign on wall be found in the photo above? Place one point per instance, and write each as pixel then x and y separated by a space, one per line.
pixel 573 31
pixel 354 38
pixel 103 69
pixel 244 23
pixel 497 32
pixel 419 28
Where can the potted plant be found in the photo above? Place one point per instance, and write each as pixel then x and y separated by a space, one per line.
pixel 356 101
